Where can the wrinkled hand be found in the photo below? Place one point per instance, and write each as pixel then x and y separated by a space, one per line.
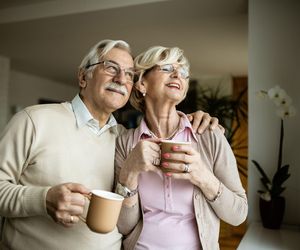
pixel 198 174
pixel 145 156
pixel 65 203
pixel 185 154
pixel 202 121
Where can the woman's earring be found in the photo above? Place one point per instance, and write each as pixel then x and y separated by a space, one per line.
pixel 144 94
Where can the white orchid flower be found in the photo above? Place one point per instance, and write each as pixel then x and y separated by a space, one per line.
pixel 261 94
pixel 276 93
pixel 284 100
pixel 286 111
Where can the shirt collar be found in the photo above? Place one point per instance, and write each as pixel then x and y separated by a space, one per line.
pixel 184 123
pixel 83 115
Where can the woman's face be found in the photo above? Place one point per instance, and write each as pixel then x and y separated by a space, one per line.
pixel 167 82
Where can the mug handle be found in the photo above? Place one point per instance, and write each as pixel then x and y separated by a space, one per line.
pixel 89 197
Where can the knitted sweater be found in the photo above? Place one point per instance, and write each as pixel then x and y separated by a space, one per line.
pixel 42 147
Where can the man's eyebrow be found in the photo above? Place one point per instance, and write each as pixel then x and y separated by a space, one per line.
pixel 112 61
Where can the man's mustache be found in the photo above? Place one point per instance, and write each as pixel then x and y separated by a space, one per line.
pixel 117 87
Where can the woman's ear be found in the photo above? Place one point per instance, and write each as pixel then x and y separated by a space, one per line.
pixel 81 79
pixel 140 86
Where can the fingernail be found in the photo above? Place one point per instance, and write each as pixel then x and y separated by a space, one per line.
pixel 165 164
pixel 176 147
pixel 168 174
pixel 166 155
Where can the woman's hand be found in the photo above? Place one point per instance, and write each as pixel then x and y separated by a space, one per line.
pixel 185 155
pixel 198 174
pixel 145 156
pixel 201 121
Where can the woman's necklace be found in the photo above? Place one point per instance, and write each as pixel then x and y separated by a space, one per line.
pixel 167 138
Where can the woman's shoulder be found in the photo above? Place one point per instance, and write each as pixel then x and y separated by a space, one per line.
pixel 124 142
pixel 210 135
pixel 124 133
pixel 125 137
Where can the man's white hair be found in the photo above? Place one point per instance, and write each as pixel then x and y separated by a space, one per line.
pixel 97 52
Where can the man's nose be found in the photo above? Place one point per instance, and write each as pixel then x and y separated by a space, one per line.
pixel 120 78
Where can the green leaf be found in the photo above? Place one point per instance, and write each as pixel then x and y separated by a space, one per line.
pixel 281 176
pixel 265 183
pixel 276 191
pixel 262 172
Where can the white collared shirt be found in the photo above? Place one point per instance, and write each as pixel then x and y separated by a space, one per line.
pixel 84 117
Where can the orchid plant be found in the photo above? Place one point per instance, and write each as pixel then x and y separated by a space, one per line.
pixel 285 109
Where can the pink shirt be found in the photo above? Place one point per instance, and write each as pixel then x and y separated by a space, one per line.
pixel 167 204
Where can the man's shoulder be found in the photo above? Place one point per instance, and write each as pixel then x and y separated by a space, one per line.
pixel 48 109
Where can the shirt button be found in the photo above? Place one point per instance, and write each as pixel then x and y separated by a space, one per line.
pixel 197 197
pixel 198 215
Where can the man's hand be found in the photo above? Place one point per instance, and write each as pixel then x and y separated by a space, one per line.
pixel 201 121
pixel 65 203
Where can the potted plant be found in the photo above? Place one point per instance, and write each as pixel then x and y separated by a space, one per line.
pixel 231 112
pixel 272 204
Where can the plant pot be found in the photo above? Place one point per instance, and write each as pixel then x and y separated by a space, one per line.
pixel 271 212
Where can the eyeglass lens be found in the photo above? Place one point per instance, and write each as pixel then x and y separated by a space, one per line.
pixel 169 68
pixel 114 70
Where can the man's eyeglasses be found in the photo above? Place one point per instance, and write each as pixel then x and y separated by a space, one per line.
pixel 114 69
pixel 169 68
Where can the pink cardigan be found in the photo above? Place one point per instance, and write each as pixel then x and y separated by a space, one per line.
pixel 231 206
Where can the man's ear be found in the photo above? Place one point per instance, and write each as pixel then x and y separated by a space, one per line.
pixel 81 79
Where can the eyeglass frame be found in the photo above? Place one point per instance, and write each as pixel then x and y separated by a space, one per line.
pixel 175 69
pixel 118 67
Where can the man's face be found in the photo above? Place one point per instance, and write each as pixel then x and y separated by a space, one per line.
pixel 99 95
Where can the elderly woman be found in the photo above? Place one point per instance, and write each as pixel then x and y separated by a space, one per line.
pixel 164 209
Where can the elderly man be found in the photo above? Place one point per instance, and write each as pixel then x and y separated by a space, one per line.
pixel 47 150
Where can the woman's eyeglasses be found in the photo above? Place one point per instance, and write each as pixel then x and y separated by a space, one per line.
pixel 170 68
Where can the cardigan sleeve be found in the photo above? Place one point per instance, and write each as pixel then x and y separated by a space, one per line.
pixel 129 216
pixel 16 199
pixel 231 206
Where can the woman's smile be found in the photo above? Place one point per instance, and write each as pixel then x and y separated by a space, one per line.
pixel 173 85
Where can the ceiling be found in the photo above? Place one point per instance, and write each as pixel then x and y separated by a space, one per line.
pixel 50 37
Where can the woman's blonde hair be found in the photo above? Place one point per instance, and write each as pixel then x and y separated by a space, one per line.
pixel 144 62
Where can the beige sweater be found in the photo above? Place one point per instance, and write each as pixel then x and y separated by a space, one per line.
pixel 230 207
pixel 41 147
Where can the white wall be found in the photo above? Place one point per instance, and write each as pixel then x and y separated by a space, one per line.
pixel 274 59
pixel 26 89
